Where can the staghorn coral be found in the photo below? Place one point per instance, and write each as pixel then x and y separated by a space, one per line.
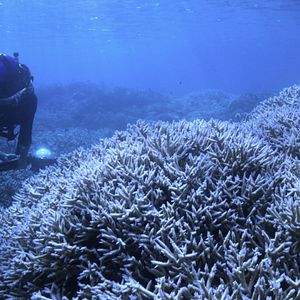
pixel 186 210
pixel 68 115
pixel 11 181
pixel 166 211
pixel 64 141
pixel 244 104
pixel 60 141
pixel 277 121
pixel 206 104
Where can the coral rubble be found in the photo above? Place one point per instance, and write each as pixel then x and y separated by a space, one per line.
pixel 182 210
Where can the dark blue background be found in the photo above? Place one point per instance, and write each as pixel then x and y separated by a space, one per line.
pixel 170 46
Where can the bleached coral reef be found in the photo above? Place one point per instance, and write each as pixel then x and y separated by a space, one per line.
pixel 183 210
pixel 79 114
pixel 277 121
pixel 60 141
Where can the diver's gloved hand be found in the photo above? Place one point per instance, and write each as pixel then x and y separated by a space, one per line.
pixel 8 161
pixel 8 156
pixel 11 156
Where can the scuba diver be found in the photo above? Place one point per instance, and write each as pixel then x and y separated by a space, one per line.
pixel 18 104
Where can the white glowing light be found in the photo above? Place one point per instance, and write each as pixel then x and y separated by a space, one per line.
pixel 43 153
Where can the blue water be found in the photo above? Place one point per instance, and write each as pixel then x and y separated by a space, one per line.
pixel 169 46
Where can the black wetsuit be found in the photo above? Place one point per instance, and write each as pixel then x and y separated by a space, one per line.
pixel 23 110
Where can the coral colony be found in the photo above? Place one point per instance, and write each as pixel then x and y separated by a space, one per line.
pixel 182 210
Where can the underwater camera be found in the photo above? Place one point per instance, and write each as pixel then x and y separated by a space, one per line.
pixel 39 159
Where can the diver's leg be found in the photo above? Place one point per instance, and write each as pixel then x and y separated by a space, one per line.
pixel 28 105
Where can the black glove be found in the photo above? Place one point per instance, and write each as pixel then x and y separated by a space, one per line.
pixel 8 161
pixel 8 156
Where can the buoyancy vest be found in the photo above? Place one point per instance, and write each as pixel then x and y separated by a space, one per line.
pixel 13 76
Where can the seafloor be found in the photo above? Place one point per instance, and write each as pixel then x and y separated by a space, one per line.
pixel 164 210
